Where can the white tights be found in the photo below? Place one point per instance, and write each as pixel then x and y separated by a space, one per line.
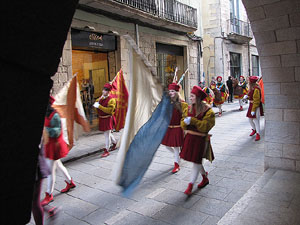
pixel 175 150
pixel 255 122
pixel 220 108
pixel 53 164
pixel 241 102
pixel 195 172
pixel 108 139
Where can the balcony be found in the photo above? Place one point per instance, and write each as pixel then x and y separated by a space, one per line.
pixel 239 31
pixel 163 14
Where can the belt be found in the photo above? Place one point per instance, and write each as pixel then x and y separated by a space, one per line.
pixel 174 126
pixel 197 133
pixel 104 116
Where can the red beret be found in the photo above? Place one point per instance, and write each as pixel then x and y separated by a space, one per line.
pixel 219 77
pixel 253 79
pixel 51 100
pixel 174 86
pixel 108 86
pixel 199 92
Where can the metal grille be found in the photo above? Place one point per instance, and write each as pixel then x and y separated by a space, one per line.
pixel 239 27
pixel 166 9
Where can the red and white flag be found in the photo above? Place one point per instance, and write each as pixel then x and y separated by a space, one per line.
pixel 68 104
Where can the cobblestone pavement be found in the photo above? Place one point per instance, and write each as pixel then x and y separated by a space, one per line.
pixel 159 199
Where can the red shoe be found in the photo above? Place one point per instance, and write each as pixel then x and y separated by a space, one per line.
pixel 189 189
pixel 241 108
pixel 68 187
pixel 257 138
pixel 176 167
pixel 204 181
pixel 253 132
pixel 105 154
pixel 220 114
pixel 113 147
pixel 48 198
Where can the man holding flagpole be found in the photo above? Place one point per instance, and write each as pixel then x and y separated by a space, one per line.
pixel 105 106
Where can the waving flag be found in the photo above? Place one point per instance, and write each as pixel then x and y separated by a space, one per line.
pixel 69 106
pixel 148 116
pixel 120 93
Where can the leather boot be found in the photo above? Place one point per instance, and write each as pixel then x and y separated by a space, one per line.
pixel 48 198
pixel 257 138
pixel 113 147
pixel 68 187
pixel 105 153
pixel 204 181
pixel 253 132
pixel 176 167
pixel 189 189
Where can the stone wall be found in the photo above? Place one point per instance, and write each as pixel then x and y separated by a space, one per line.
pixel 276 28
pixel 64 70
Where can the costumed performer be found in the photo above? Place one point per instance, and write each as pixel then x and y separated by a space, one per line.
pixel 173 139
pixel 105 106
pixel 196 145
pixel 255 110
pixel 242 84
pixel 55 149
pixel 220 94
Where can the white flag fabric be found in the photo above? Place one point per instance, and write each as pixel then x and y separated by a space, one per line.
pixel 68 104
pixel 147 120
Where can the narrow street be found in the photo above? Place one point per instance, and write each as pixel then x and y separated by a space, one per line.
pixel 159 199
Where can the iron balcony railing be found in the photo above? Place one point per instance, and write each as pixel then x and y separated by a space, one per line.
pixel 239 27
pixel 166 9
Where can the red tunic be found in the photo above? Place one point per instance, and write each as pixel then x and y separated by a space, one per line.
pixel 56 148
pixel 174 135
pixel 194 145
pixel 106 121
pixel 250 96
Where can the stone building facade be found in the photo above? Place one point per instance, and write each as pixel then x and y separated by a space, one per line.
pixel 228 44
pixel 166 47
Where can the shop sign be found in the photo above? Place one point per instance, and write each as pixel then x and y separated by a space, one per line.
pixel 92 41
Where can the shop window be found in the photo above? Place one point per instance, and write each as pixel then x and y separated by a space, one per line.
pixel 92 73
pixel 168 58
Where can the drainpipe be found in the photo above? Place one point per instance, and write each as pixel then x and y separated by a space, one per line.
pixel 137 37
pixel 249 70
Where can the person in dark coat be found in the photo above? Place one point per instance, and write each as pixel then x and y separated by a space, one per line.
pixel 230 88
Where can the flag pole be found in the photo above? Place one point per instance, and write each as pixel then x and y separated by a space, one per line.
pixel 175 75
pixel 182 76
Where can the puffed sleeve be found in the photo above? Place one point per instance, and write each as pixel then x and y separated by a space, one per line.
pixel 207 122
pixel 110 109
pixel 256 99
pixel 55 130
pixel 185 109
pixel 223 88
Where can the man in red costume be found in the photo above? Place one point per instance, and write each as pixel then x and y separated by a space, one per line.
pixel 255 109
pixel 105 106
